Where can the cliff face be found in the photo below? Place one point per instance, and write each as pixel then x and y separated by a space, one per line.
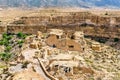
pixel 88 23
pixel 27 29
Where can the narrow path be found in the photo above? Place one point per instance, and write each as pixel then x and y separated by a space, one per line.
pixel 28 54
pixel 39 70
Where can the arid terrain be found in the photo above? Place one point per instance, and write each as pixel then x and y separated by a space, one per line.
pixel 59 44
pixel 9 14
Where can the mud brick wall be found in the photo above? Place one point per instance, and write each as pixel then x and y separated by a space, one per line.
pixel 3 29
pixel 28 29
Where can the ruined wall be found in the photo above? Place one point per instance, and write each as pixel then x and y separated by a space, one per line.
pixel 88 23
pixel 28 29
pixel 67 18
pixel 3 29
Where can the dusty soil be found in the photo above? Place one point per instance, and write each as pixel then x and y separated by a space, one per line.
pixel 9 14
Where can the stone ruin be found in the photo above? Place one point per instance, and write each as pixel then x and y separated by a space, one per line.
pixel 90 24
pixel 96 46
pixel 58 39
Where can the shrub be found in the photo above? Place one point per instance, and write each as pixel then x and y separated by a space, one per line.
pixel 1 42
pixel 6 36
pixel 20 45
pixel 5 56
pixel 4 42
pixel 9 37
pixel 8 48
pixel 21 35
pixel 20 42
pixel 116 39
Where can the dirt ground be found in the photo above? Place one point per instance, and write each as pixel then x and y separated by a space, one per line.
pixel 10 14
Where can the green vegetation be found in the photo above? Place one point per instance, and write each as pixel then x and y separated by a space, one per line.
pixel 9 41
pixel 20 42
pixel 5 39
pixel 8 48
pixel 5 56
pixel 7 36
pixel 4 42
pixel 116 39
pixel 21 35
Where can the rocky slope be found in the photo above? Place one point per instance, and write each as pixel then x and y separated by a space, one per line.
pixel 91 64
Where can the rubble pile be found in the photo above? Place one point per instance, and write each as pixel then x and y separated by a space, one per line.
pixel 41 58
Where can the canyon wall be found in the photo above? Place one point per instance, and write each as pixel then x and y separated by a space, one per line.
pixel 27 29
pixel 88 23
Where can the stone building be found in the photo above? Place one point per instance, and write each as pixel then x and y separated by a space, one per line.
pixel 59 33
pixel 35 45
pixel 79 38
pixel 55 40
pixel 63 67
pixel 96 46
pixel 39 34
pixel 78 35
